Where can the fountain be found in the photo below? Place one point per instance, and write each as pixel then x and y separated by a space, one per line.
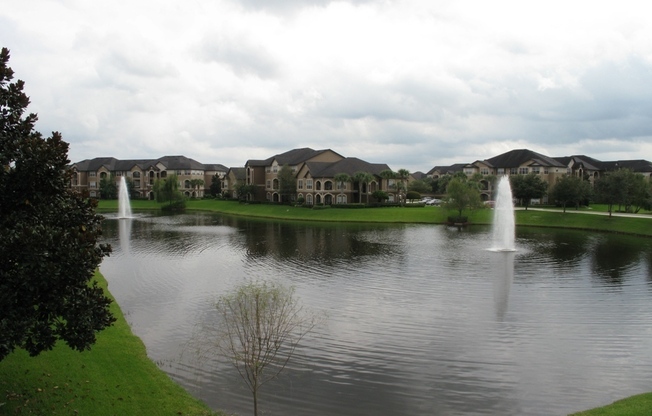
pixel 124 207
pixel 503 227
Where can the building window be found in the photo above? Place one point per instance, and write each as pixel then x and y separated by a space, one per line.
pixel 484 171
pixel 309 199
pixel 136 175
pixel 309 184
pixel 469 171
pixel 318 185
pixel 137 183
pixel 536 170
pixel 513 171
pixel 341 199
pixel 274 168
pixel 545 171
pixel 328 186
pixel 93 184
pixel 300 186
pixel 92 174
pixel 523 171
pixel 500 171
pixel 269 184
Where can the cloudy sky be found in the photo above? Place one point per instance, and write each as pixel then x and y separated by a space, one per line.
pixel 410 83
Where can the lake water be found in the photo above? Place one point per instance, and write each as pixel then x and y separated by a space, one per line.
pixel 418 319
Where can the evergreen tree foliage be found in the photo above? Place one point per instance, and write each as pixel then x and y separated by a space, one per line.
pixel 49 241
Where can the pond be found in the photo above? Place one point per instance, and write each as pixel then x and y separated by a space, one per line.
pixel 418 319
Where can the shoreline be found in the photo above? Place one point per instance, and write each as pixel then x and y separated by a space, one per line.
pixel 595 221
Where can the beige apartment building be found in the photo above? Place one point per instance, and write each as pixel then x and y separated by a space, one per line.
pixel 524 161
pixel 88 173
pixel 316 171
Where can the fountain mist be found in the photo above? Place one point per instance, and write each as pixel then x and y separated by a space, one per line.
pixel 124 207
pixel 503 227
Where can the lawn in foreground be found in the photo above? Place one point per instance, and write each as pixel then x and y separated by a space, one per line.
pixel 114 378
pixel 640 404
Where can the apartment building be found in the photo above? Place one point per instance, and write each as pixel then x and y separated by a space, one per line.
pixel 315 172
pixel 88 173
pixel 524 161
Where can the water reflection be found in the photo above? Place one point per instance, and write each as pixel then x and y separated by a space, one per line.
pixel 420 319
pixel 613 255
pixel 503 277
pixel 125 234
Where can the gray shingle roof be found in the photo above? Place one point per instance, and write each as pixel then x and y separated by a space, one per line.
pixel 516 158
pixel 349 165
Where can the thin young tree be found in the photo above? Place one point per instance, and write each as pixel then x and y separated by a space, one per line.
pixel 259 328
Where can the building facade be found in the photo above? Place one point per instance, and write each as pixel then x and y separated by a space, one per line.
pixel 194 178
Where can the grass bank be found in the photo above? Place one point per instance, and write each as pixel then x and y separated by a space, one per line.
pixel 638 405
pixel 422 215
pixel 114 378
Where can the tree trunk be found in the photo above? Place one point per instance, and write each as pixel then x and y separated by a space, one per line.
pixel 255 394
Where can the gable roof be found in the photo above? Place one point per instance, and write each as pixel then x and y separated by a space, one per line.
pixel 451 169
pixel 516 158
pixel 239 174
pixel 348 165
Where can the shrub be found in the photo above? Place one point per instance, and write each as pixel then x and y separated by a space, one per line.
pixel 458 220
pixel 174 207
pixel 349 206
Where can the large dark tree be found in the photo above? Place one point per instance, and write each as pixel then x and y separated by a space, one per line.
pixel 49 237
pixel 216 185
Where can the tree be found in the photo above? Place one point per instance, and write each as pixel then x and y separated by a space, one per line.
pixel 131 188
pixel 242 189
pixel 570 190
pixel 108 187
pixel 195 184
pixel 462 194
pixel 412 196
pixel 380 196
pixel 287 183
pixel 362 178
pixel 216 185
pixel 167 190
pixel 341 179
pixel 403 175
pixel 49 241
pixel 259 328
pixel 422 186
pixel 623 187
pixel 527 187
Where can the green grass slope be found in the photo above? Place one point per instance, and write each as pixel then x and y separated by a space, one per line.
pixel 114 378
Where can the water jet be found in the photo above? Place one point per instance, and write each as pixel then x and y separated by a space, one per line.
pixel 503 225
pixel 124 206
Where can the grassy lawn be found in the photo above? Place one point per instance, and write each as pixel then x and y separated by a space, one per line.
pixel 632 406
pixel 115 378
pixel 423 215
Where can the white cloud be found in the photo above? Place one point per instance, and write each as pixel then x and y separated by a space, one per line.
pixel 411 83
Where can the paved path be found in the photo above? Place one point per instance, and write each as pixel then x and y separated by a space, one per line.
pixel 573 211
